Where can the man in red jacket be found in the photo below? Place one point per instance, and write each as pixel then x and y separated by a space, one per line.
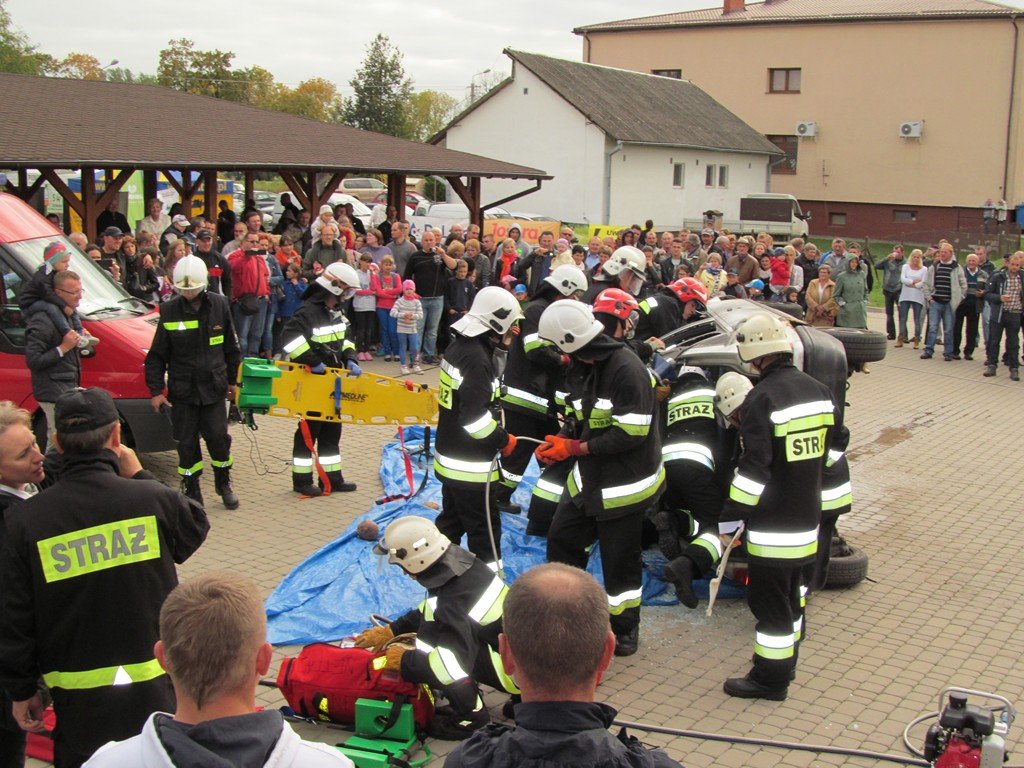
pixel 250 292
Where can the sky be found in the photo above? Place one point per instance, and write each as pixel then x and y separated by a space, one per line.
pixel 444 42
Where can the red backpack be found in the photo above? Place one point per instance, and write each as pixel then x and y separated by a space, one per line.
pixel 324 681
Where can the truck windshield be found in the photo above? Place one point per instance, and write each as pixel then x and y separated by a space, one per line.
pixel 100 292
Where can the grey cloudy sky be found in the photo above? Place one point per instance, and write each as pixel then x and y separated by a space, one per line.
pixel 444 42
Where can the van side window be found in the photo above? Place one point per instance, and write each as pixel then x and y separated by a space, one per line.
pixel 12 320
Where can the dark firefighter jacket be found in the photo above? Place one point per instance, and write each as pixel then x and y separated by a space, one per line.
pixel 690 431
pixel 659 314
pixel 315 334
pixel 534 367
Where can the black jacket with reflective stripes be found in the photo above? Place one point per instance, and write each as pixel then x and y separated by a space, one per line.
pixel 534 369
pixel 659 314
pixel 469 432
pixel 315 335
pixel 787 429
pixel 614 409
pixel 457 628
pixel 87 565
pixel 197 348
pixel 690 431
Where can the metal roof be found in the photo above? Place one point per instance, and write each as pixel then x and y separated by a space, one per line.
pixel 65 123
pixel 636 108
pixel 813 11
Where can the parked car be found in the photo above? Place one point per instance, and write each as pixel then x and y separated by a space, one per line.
pixel 412 199
pixel 362 189
pixel 124 325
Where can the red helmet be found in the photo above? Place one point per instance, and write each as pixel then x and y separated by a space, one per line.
pixel 616 302
pixel 689 289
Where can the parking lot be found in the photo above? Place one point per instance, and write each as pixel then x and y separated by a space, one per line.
pixel 935 456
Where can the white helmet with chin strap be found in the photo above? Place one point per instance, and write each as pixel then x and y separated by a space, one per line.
pixel 493 310
pixel 336 273
pixel 761 334
pixel 633 259
pixel 567 279
pixel 730 392
pixel 569 325
pixel 412 542
pixel 190 274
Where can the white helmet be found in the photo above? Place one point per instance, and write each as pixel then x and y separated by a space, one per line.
pixel 730 392
pixel 567 279
pixel 412 542
pixel 761 334
pixel 190 274
pixel 569 325
pixel 690 370
pixel 335 273
pixel 493 309
pixel 631 258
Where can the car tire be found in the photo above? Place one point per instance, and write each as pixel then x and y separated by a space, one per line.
pixel 793 310
pixel 847 565
pixel 862 346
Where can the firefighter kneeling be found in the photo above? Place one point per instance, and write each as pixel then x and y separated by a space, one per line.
pixel 456 626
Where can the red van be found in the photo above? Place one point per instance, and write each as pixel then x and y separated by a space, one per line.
pixel 124 325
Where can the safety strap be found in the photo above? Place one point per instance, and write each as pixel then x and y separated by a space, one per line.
pixel 408 459
pixel 385 723
pixel 308 439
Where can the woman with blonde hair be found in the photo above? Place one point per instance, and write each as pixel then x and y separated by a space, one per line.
pixel 821 307
pixel 912 276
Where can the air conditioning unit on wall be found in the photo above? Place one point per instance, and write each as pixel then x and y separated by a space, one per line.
pixel 807 128
pixel 911 129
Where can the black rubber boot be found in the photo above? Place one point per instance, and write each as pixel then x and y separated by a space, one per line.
pixel 745 688
pixel 681 573
pixel 627 643
pixel 304 485
pixel 190 487
pixel 222 484
pixel 502 502
pixel 338 484
pixel 668 533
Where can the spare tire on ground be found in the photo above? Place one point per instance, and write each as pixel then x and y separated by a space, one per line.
pixel 847 565
pixel 861 345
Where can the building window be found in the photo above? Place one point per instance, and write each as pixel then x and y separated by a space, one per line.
pixel 904 215
pixel 837 219
pixel 716 176
pixel 673 73
pixel 784 81
pixel 678 174
pixel 789 145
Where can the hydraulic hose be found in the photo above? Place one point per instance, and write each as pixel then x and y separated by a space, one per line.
pixel 487 501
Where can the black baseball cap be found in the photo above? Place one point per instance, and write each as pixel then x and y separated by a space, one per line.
pixel 204 234
pixel 83 410
pixel 113 232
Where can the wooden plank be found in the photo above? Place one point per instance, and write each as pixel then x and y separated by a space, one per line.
pixel 63 190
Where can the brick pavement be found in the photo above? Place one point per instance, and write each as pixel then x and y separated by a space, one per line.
pixel 941 606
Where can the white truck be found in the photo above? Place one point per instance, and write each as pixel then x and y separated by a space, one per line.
pixel 777 214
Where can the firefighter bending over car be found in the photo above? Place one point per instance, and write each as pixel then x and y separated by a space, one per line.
pixel 196 348
pixel 787 426
pixel 456 626
pixel 611 441
pixel 316 336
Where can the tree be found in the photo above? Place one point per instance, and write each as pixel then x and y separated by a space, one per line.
pixel 428 113
pixel 80 65
pixel 17 54
pixel 207 73
pixel 125 75
pixel 382 91
pixel 316 98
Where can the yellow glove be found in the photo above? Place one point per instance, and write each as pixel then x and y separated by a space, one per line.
pixel 374 637
pixel 393 658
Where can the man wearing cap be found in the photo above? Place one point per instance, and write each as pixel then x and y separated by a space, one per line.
pixel 216 265
pixel 111 239
pixel 179 225
pixel 733 289
pixel 112 217
pixel 743 261
pixel 87 564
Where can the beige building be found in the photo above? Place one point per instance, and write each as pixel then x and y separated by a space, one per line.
pixel 897 116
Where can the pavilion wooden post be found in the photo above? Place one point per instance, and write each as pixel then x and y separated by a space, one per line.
pixel 250 183
pixel 89 208
pixel 113 187
pixel 74 203
pixel 210 194
pixel 23 189
pixel 470 196
pixel 396 194
pixel 297 186
pixel 149 189
pixel 329 189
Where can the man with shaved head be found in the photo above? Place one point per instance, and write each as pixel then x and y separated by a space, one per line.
pixel 556 643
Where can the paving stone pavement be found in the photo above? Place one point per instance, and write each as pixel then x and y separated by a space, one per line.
pixel 936 507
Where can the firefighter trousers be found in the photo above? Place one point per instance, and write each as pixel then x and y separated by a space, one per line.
pixel 326 437
pixel 546 494
pixel 463 511
pixel 817 572
pixel 774 595
pixel 573 533
pixel 513 465
pixel 211 423
pixel 692 488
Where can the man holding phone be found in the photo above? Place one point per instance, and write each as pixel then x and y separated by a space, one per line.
pixel 429 269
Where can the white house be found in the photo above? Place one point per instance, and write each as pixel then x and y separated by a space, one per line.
pixel 622 146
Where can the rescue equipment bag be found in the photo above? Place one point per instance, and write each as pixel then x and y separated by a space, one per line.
pixel 324 681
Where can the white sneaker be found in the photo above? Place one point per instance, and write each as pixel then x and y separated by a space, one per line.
pixel 416 369
pixel 405 370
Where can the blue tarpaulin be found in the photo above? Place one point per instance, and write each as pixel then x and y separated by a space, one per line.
pixel 333 592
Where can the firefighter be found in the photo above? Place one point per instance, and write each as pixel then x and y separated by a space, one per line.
pixel 625 269
pixel 786 426
pixel 836 500
pixel 675 305
pixel 468 432
pixel 86 565
pixel 532 375
pixel 612 440
pixel 316 336
pixel 196 347
pixel 693 495
pixel 457 624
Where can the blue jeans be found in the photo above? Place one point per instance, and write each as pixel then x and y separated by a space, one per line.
pixel 250 327
pixel 905 307
pixel 388 331
pixel 408 342
pixel 267 337
pixel 433 306
pixel 939 312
